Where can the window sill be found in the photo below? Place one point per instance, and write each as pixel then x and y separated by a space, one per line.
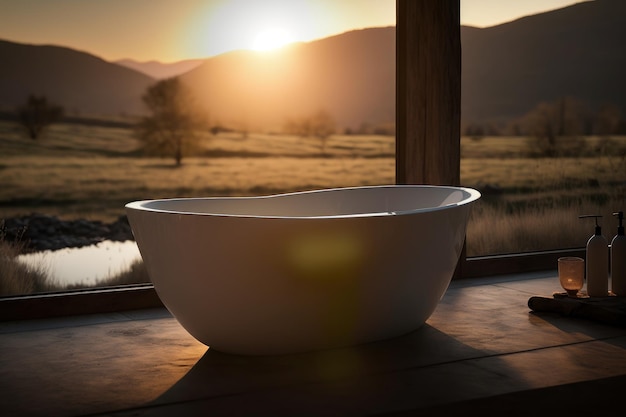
pixel 78 302
pixel 483 266
pixel 141 296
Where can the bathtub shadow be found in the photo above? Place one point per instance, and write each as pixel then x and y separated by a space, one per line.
pixel 351 377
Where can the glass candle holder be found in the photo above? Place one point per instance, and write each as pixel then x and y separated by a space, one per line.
pixel 571 274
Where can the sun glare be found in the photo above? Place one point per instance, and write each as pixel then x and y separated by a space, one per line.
pixel 272 38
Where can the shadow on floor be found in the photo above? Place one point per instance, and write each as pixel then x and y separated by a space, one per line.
pixel 426 366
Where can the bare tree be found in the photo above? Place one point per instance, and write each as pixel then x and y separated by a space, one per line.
pixel 172 127
pixel 607 120
pixel 322 125
pixel 319 124
pixel 556 127
pixel 37 114
pixel 300 127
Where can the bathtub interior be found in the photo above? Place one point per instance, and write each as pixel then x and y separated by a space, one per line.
pixel 339 202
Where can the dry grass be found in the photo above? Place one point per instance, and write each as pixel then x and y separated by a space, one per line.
pixel 96 181
pixel 543 174
pixel 85 171
pixel 135 274
pixel 17 278
pixel 535 202
pixel 496 231
pixel 99 187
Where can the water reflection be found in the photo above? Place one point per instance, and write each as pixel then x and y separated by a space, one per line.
pixel 87 265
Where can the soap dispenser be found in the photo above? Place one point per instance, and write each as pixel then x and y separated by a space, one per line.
pixel 597 263
pixel 618 258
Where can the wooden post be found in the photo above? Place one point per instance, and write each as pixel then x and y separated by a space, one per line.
pixel 428 92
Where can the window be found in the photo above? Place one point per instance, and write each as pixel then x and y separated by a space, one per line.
pixel 445 156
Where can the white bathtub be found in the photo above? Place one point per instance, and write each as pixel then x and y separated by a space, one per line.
pixel 303 271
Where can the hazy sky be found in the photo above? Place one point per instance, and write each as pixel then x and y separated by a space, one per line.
pixel 171 30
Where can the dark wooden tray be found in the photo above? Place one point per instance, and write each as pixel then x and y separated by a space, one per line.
pixel 609 309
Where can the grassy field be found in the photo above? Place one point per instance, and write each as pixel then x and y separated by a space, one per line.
pixel 534 203
pixel 92 173
pixel 528 203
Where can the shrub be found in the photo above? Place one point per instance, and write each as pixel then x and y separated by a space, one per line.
pixel 17 278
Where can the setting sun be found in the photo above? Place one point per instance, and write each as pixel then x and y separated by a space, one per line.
pixel 271 38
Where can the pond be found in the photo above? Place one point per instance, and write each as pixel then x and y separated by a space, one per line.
pixel 87 265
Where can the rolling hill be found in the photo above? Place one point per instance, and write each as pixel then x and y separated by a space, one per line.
pixel 351 76
pixel 160 70
pixel 80 82
pixel 507 70
pixel 575 51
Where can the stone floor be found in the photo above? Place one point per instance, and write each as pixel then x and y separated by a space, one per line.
pixel 481 352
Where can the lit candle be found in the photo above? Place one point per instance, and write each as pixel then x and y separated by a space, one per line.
pixel 571 274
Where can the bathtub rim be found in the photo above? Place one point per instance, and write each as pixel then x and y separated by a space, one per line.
pixel 141 205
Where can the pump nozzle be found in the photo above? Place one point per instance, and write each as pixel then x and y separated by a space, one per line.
pixel 620 218
pixel 598 228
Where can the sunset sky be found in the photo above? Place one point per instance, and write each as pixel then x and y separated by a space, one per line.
pixel 168 30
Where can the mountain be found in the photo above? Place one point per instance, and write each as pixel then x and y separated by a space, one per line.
pixel 507 70
pixel 80 82
pixel 351 76
pixel 159 70
pixel 575 51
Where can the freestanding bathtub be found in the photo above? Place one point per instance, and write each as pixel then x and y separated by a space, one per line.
pixel 303 271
